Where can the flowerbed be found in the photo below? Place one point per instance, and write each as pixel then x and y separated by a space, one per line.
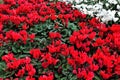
pixel 42 40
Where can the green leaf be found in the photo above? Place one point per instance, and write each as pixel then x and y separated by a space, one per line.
pixel 6 51
pixel 25 51
pixel 14 49
pixel 64 32
pixel 9 74
pixel 57 76
pixel 23 55
pixel 64 78
pixel 65 72
pixel 72 26
pixel 50 26
pixel 2 65
pixel 2 69
pixel 97 78
pixel 73 78
pixel 1 52
pixel 58 64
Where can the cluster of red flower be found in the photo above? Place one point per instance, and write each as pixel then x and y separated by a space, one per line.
pixel 24 66
pixel 93 49
pixel 105 58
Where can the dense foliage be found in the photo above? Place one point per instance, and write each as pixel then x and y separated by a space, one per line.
pixel 42 40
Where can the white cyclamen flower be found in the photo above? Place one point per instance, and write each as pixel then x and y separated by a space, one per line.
pixel 107 4
pixel 112 1
pixel 118 7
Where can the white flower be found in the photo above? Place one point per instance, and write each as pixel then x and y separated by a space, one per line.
pixel 112 1
pixel 119 13
pixel 107 4
pixel 78 1
pixel 77 6
pixel 118 7
pixel 115 19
